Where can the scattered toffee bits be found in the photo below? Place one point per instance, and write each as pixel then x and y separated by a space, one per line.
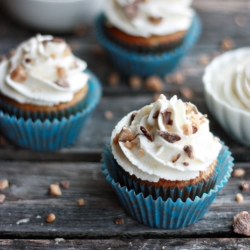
pixel 170 137
pixel 126 135
pixel 28 60
pixel 141 152
pixel 108 115
pixel 239 197
pixel 176 158
pixel 128 144
pixel 65 184
pixel 50 218
pixel 19 74
pixel 119 221
pixel 113 79
pixel 187 129
pixel 186 164
pixel 4 184
pixel 2 198
pixel 62 83
pixel 55 190
pixel 187 92
pixel 155 20
pixel 116 139
pixel 135 82
pixel 156 114
pixel 239 172
pixel 189 150
pixel 61 72
pixel 244 186
pixel 154 83
pixel 81 202
pixel 146 133
pixel 167 117
pixel 227 44
pixel 194 128
pixel 241 223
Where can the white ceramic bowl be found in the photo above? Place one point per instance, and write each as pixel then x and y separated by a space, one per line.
pixel 234 120
pixel 54 15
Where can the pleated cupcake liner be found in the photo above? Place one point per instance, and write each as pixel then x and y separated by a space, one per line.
pixel 146 64
pixel 190 191
pixel 166 214
pixel 50 134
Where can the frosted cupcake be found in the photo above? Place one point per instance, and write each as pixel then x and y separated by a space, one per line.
pixel 45 85
pixel 147 30
pixel 165 153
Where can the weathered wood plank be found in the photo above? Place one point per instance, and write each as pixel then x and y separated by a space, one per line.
pixel 28 198
pixel 156 244
pixel 90 143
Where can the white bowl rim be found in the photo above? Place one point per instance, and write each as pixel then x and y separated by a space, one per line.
pixel 208 89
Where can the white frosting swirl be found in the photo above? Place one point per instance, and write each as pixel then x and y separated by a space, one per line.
pixel 156 161
pixel 40 58
pixel 176 16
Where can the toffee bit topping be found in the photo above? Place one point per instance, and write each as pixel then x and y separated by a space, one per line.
pixel 133 116
pixel 189 150
pixel 18 74
pixel 241 223
pixel 128 144
pixel 155 20
pixel 146 133
pixel 169 137
pixel 116 138
pixel 195 129
pixel 126 135
pixel 186 164
pixel 187 129
pixel 28 60
pixel 204 116
pixel 131 10
pixel 141 152
pixel 176 158
pixel 167 117
pixel 156 114
pixel 61 72
pixel 62 83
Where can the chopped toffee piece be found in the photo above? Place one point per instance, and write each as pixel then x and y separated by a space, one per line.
pixel 155 20
pixel 244 186
pixel 141 152
pixel 18 74
pixel 170 137
pixel 187 129
pixel 135 82
pixel 195 129
pixel 116 139
pixel 189 151
pixel 2 198
pixel 61 72
pixel 3 184
pixel 156 114
pixel 28 60
pixel 167 117
pixel 55 190
pixel 62 83
pixel 126 135
pixel 176 158
pixel 239 172
pixel 128 144
pixel 108 115
pixel 146 133
pixel 50 218
pixel 133 116
pixel 186 164
pixel 154 83
pixel 239 197
pixel 65 184
pixel 241 223
pixel 81 202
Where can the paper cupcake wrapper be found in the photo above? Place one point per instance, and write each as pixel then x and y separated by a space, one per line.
pixel 131 63
pixel 49 135
pixel 190 191
pixel 167 214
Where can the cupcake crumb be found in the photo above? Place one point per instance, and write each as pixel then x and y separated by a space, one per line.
pixel 204 59
pixel 113 79
pixel 108 115
pixel 154 83
pixel 187 92
pixel 244 186
pixel 4 184
pixel 240 20
pixel 119 221
pixel 81 202
pixel 50 218
pixel 141 152
pixel 239 197
pixel 241 223
pixel 65 184
pixel 55 190
pixel 2 198
pixel 227 44
pixel 135 82
pixel 239 172
pixel 128 144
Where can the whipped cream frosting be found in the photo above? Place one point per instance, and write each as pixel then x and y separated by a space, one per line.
pixel 167 139
pixel 175 15
pixel 235 89
pixel 42 71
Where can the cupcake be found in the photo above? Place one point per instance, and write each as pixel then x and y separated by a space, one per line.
pixel 227 92
pixel 147 37
pixel 45 89
pixel 165 164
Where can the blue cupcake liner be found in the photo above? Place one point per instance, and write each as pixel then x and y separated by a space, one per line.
pixel 190 191
pixel 167 214
pixel 49 135
pixel 131 63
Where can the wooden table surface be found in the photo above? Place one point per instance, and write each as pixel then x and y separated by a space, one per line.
pixel 92 226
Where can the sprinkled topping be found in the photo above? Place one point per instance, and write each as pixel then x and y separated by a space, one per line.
pixel 189 151
pixel 141 152
pixel 155 20
pixel 176 158
pixel 167 117
pixel 126 135
pixel 61 72
pixel 195 129
pixel 187 129
pixel 133 116
pixel 18 74
pixel 186 164
pixel 170 137
pixel 146 133
pixel 156 114
pixel 128 144
pixel 62 83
